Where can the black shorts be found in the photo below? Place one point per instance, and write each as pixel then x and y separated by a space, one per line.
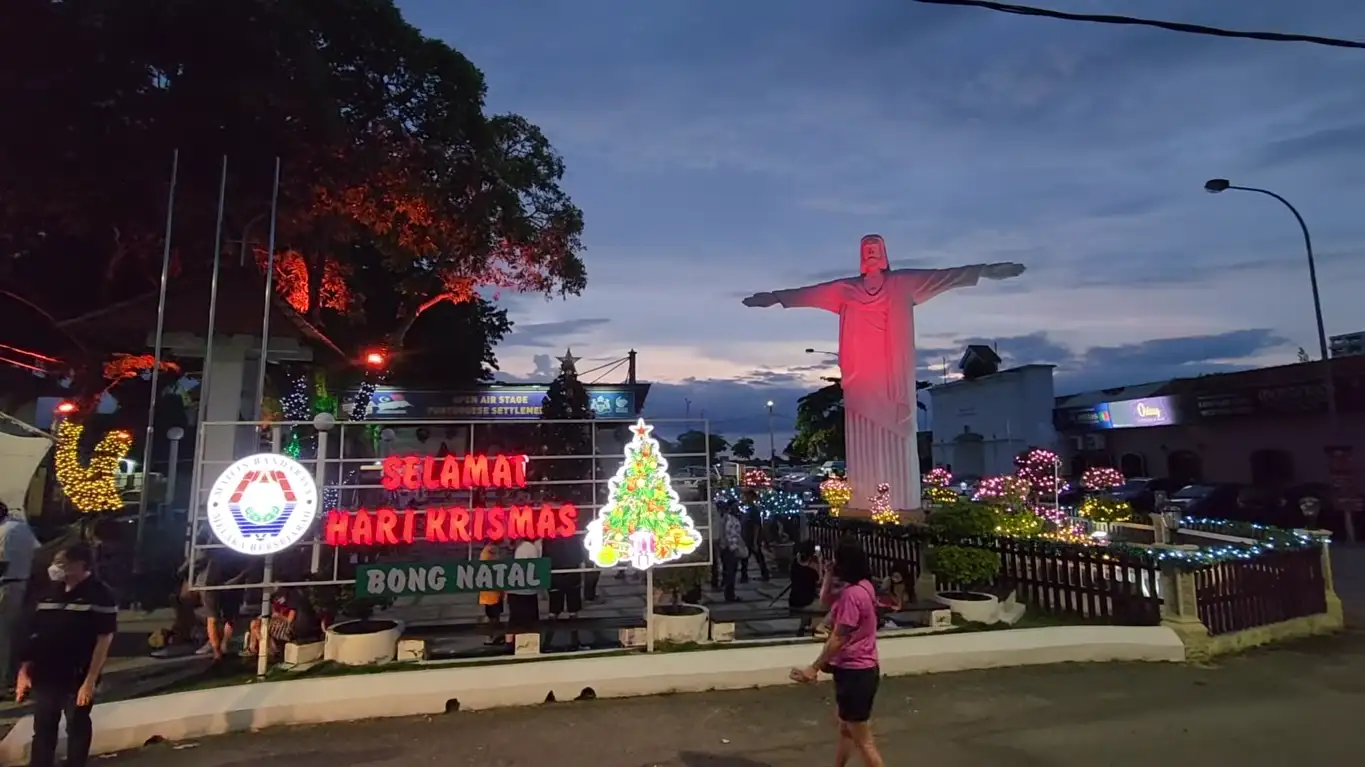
pixel 523 610
pixel 570 598
pixel 854 691
pixel 223 605
pixel 493 611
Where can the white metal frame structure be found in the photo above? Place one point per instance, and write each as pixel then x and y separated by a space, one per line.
pixel 340 485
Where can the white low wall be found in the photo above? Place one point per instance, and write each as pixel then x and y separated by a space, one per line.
pixel 180 716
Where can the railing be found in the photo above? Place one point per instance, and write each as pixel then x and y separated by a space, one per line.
pixel 1275 586
pixel 1058 579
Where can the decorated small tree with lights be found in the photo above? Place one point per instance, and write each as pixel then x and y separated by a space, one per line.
pixel 1010 497
pixel 1099 505
pixel 882 513
pixel 1040 469
pixel 936 487
pixel 643 523
pixel 837 493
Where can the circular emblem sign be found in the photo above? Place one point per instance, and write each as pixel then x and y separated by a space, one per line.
pixel 262 504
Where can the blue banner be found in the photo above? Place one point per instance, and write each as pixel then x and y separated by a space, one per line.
pixel 493 403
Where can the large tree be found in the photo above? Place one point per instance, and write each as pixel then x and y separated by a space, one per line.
pixel 389 164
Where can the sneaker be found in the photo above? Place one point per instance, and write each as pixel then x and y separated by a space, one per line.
pixel 207 649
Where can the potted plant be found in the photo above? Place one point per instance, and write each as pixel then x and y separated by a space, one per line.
pixel 677 616
pixel 352 635
pixel 958 558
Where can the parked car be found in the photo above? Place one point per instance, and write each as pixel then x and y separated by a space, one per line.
pixel 834 467
pixel 1216 501
pixel 800 482
pixel 1140 492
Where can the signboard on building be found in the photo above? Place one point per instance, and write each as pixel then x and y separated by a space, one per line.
pixel 1290 399
pixel 489 404
pixel 1125 414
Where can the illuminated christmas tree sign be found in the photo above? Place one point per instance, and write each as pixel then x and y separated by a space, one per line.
pixel 643 523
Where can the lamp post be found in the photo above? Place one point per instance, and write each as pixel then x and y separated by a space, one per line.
pixel 1216 185
pixel 772 440
pixel 822 351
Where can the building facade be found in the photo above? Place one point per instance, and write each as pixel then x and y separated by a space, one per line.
pixel 980 425
pixel 1269 427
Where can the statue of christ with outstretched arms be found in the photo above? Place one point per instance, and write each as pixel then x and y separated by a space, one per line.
pixel 877 361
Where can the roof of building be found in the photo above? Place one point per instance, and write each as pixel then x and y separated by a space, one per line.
pixel 981 352
pixel 239 311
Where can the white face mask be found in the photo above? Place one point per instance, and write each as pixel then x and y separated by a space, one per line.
pixel 56 572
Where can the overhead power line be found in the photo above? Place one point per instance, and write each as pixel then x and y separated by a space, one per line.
pixel 1171 26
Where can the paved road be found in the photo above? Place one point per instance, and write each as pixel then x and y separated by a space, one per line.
pixel 1296 705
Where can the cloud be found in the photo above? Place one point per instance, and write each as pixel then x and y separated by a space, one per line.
pixel 546 334
pixel 719 149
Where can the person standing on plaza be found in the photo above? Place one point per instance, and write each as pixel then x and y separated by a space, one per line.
pixel 491 601
pixel 523 605
pixel 753 535
pixel 61 659
pixel 850 654
pixel 732 550
pixel 17 545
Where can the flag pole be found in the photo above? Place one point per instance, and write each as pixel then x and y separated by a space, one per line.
pixel 263 638
pixel 196 474
pixel 156 365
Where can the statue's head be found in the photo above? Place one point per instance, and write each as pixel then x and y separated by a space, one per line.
pixel 872 253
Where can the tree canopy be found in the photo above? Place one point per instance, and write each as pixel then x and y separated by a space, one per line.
pixel 398 192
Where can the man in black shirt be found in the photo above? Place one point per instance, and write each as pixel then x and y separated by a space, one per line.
pixel 73 625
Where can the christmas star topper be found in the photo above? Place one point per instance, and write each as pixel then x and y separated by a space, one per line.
pixel 642 429
pixel 567 362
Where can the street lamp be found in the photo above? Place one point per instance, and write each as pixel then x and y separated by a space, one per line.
pixel 822 351
pixel 772 439
pixel 1216 185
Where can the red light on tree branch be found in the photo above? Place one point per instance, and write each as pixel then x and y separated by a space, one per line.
pixel 375 359
pixel 65 408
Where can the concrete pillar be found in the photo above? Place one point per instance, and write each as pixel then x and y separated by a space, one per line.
pixel 226 383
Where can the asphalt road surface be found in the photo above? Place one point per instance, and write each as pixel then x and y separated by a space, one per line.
pixel 1300 704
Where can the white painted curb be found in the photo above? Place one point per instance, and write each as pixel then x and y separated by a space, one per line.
pixel 181 716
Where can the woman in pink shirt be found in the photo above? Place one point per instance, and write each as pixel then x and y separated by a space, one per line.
pixel 850 653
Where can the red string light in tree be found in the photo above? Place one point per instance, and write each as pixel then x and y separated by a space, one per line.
pixel 757 478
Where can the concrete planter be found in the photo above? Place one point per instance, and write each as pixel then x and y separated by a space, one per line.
pixel 973 606
pixel 681 623
pixel 362 642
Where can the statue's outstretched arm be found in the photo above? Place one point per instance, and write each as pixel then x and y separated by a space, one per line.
pixel 826 295
pixel 924 284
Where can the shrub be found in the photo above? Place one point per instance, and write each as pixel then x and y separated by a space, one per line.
pixel 677 581
pixel 963 519
pixel 1104 508
pixel 964 566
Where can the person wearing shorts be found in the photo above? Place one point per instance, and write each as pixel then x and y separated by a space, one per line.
pixel 492 600
pixel 850 654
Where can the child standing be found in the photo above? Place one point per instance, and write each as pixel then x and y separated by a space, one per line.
pixel 491 601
